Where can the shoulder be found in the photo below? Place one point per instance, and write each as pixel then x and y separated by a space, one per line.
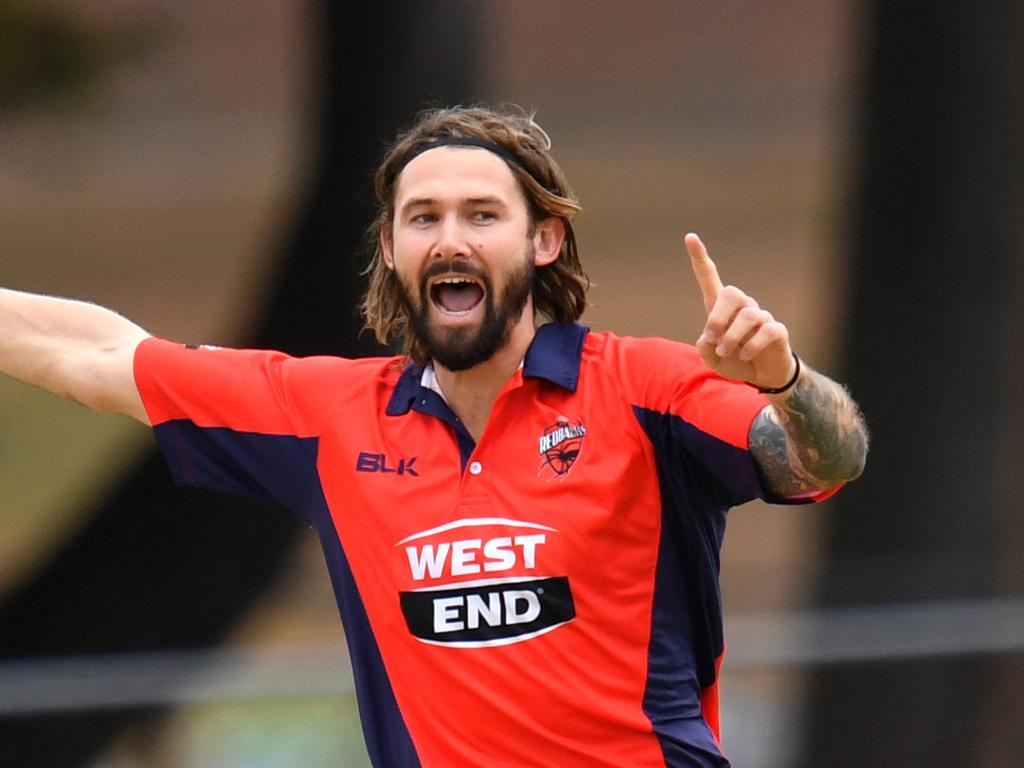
pixel 325 368
pixel 207 359
pixel 271 380
pixel 669 377
pixel 644 364
pixel 610 348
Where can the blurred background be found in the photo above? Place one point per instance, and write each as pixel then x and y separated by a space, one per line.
pixel 204 169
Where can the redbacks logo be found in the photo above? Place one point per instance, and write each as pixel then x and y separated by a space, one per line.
pixel 481 582
pixel 560 446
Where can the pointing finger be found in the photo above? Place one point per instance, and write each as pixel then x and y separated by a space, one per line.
pixel 704 270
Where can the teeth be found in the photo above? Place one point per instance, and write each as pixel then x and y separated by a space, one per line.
pixel 456 281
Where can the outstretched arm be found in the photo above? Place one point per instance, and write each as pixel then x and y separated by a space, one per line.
pixel 812 436
pixel 71 348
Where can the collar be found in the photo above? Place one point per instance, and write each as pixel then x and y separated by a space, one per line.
pixel 554 355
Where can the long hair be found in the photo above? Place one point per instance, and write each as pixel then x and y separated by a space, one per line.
pixel 560 288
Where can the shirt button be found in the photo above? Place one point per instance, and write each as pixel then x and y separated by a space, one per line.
pixel 475 468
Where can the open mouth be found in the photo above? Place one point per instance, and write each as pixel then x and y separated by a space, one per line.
pixel 456 295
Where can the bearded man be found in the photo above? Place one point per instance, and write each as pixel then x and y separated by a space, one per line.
pixel 521 518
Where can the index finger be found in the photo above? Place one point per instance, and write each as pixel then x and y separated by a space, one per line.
pixel 704 270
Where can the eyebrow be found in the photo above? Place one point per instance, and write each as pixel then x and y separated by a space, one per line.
pixel 428 202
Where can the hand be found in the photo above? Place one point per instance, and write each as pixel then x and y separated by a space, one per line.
pixel 740 340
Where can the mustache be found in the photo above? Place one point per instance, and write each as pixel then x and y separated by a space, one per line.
pixel 453 266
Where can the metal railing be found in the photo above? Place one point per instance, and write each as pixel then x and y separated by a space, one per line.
pixel 37 685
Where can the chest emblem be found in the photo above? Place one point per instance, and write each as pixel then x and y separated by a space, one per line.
pixel 560 446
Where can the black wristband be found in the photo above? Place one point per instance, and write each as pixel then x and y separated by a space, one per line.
pixel 787 385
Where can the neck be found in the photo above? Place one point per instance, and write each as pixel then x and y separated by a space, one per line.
pixel 471 393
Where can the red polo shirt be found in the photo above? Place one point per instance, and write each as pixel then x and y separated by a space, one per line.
pixel 547 596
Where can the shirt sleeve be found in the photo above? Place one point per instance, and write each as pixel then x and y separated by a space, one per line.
pixel 239 421
pixel 698 421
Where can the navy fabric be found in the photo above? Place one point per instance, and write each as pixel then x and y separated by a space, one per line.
pixel 699 478
pixel 727 475
pixel 407 391
pixel 388 741
pixel 689 743
pixel 555 354
pixel 279 469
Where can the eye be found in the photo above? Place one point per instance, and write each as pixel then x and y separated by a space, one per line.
pixel 484 216
pixel 423 218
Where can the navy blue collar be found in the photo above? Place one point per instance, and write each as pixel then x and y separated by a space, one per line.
pixel 554 355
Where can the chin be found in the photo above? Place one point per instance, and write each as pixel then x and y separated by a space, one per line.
pixel 459 349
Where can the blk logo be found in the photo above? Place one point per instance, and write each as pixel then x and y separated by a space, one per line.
pixel 378 462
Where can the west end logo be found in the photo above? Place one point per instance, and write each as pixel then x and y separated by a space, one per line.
pixel 510 595
pixel 560 446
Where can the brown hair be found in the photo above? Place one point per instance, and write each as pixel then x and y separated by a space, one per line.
pixel 560 288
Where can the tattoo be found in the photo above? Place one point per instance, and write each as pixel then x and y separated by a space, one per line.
pixel 810 439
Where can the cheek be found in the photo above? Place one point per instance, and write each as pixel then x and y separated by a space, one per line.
pixel 404 250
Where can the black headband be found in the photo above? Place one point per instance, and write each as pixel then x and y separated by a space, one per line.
pixel 468 141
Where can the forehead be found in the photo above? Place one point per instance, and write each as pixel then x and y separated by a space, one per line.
pixel 446 173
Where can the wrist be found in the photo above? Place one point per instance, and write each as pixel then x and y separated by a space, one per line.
pixel 785 387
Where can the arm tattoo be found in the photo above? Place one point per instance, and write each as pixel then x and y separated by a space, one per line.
pixel 809 439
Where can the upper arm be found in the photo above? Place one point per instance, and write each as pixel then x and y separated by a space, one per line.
pixel 114 389
pixel 101 376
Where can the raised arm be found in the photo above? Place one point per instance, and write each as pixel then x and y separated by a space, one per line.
pixel 812 436
pixel 71 348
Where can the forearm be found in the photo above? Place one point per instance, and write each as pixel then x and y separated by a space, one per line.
pixel 811 438
pixel 71 348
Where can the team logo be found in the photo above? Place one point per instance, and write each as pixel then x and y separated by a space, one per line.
pixel 560 446
pixel 481 582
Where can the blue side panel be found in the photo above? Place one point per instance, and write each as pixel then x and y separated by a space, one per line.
pixel 699 478
pixel 387 738
pixel 725 474
pixel 686 639
pixel 689 743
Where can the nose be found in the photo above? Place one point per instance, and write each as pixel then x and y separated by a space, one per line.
pixel 451 239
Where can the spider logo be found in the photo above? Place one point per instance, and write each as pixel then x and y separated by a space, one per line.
pixel 560 446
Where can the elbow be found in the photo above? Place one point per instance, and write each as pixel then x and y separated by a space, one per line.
pixel 855 457
pixel 856 468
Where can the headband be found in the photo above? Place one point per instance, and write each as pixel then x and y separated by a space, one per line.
pixel 468 141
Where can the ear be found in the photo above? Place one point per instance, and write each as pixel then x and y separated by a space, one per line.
pixel 548 236
pixel 386 249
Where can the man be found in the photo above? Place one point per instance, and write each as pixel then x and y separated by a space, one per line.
pixel 521 519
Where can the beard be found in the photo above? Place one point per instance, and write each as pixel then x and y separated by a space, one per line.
pixel 459 349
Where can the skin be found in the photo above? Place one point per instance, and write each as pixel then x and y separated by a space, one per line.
pixel 811 437
pixel 72 348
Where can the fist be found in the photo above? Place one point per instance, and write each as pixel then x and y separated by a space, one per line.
pixel 740 340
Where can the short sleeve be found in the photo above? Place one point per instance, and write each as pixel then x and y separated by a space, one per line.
pixel 240 421
pixel 697 419
pixel 697 422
